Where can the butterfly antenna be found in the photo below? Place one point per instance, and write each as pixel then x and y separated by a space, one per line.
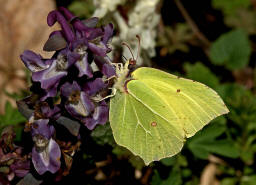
pixel 124 57
pixel 125 44
pixel 138 37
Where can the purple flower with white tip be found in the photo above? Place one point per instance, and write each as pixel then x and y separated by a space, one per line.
pixel 78 104
pixel 58 69
pixel 47 159
pixel 46 152
pixel 100 116
pixel 82 64
pixel 34 62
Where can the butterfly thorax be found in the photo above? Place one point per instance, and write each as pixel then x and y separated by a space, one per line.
pixel 122 73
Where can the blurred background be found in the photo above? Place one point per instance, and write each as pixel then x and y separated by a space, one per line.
pixel 211 41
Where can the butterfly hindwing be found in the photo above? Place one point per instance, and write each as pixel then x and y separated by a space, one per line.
pixel 159 110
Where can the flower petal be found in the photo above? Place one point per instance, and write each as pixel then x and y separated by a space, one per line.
pixel 55 42
pixel 77 24
pixel 54 16
pixel 49 77
pixel 67 89
pixel 48 159
pixel 33 61
pixel 100 116
pixel 108 33
pixel 105 67
pixel 93 87
pixel 84 67
pixel 82 108
pixel 42 128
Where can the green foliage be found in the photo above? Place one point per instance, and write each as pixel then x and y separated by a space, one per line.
pixel 103 135
pixel 198 72
pixel 206 142
pixel 176 38
pixel 231 50
pixel 229 7
pixel 244 18
pixel 173 179
pixel 122 152
pixel 12 117
pixel 82 8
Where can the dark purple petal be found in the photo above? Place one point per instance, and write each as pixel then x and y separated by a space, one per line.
pixel 50 113
pixel 104 66
pixel 93 87
pixel 80 46
pixel 67 89
pixel 99 48
pixel 48 159
pixel 42 128
pixel 50 92
pixel 94 34
pixel 81 108
pixel 108 32
pixel 100 116
pixel 77 24
pixel 33 61
pixel 84 67
pixel 54 16
pixel 49 77
pixel 20 167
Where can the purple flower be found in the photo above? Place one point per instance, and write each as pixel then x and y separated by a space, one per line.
pixel 12 161
pixel 104 66
pixel 46 152
pixel 20 167
pixel 79 104
pixel 58 69
pixel 82 64
pixel 47 159
pixel 33 61
pixel 100 116
pixel 56 16
pixel 93 87
pixel 78 46
pixel 42 130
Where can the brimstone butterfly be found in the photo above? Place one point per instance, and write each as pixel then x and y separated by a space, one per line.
pixel 153 112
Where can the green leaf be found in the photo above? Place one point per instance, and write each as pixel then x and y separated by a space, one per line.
pixel 83 9
pixel 173 179
pixel 169 161
pixel 122 152
pixel 229 7
pixel 102 135
pixel 206 142
pixel 198 72
pixel 248 180
pixel 231 49
pixel 229 181
pixel 11 117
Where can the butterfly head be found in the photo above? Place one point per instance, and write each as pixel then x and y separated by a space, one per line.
pixel 123 71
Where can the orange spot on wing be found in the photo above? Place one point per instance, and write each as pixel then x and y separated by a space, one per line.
pixel 153 124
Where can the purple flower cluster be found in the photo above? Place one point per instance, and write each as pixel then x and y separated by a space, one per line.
pixel 67 87
pixel 12 160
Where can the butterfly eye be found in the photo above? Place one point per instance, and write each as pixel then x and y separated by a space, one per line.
pixel 132 62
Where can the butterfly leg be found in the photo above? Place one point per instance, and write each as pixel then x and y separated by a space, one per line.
pixel 113 93
pixel 112 77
